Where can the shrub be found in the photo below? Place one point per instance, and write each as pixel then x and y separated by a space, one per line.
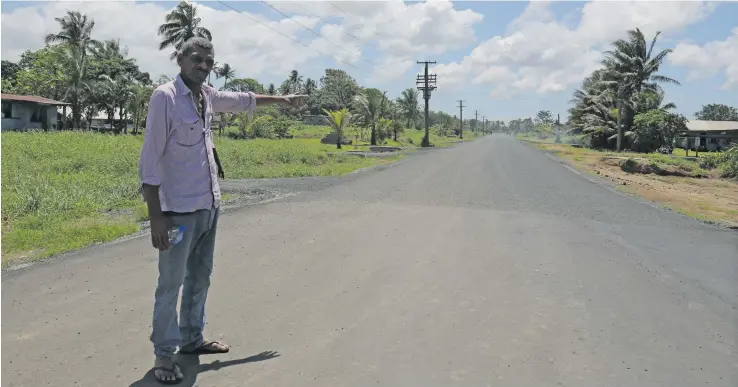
pixel 281 127
pixel 729 163
pixel 709 160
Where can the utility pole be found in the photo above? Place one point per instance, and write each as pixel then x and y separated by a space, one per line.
pixel 461 118
pixel 484 125
pixel 428 82
pixel 476 120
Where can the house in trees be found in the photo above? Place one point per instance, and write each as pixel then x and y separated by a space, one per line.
pixel 27 112
pixel 708 135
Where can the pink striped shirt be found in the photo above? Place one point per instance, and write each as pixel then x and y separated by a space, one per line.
pixel 177 153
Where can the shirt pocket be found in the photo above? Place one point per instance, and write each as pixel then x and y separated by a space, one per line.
pixel 188 130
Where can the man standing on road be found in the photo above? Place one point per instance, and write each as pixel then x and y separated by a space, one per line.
pixel 179 169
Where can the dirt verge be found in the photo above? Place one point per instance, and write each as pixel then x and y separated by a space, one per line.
pixel 683 188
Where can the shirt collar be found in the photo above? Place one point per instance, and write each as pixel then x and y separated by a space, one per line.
pixel 182 87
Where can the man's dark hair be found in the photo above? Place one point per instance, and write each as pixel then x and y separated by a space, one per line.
pixel 190 44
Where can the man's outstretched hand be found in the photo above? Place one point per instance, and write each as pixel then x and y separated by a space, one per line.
pixel 295 100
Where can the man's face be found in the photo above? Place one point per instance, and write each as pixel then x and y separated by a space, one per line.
pixel 196 64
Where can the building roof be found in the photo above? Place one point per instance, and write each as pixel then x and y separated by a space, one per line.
pixel 711 126
pixel 31 98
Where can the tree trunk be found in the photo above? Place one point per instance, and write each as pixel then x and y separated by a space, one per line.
pixel 373 140
pixel 76 117
pixel 135 121
pixel 111 112
pixel 620 120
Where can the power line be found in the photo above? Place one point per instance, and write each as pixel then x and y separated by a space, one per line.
pixel 326 22
pixel 326 39
pixel 291 38
pixel 336 7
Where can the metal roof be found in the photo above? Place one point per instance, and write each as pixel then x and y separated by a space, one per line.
pixel 31 98
pixel 711 126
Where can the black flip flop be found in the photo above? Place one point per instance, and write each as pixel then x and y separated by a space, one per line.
pixel 206 348
pixel 173 370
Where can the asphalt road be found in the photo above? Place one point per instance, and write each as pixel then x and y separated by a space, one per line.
pixel 487 264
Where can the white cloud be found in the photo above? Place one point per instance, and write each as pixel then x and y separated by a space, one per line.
pixel 252 51
pixel 398 31
pixel 710 59
pixel 540 54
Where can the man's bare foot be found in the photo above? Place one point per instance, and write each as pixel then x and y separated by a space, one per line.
pixel 167 371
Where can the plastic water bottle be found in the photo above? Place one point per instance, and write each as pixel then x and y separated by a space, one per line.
pixel 175 234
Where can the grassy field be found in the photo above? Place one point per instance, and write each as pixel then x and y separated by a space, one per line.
pixel 699 193
pixel 406 138
pixel 67 190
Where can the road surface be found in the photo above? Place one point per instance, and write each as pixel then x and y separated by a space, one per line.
pixel 487 264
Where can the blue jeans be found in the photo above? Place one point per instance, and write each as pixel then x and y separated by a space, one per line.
pixel 189 262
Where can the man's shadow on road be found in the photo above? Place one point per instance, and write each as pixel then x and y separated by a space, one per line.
pixel 191 367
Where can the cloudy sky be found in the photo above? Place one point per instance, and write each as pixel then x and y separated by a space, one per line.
pixel 505 59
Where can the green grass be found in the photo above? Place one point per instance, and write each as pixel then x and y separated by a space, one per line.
pixel 406 138
pixel 67 190
pixel 682 153
pixel 686 165
pixel 310 131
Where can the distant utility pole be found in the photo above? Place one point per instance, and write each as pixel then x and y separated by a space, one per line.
pixel 461 118
pixel 476 120
pixel 428 82
pixel 484 125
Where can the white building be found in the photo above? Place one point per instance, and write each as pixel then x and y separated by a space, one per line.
pixel 709 135
pixel 28 112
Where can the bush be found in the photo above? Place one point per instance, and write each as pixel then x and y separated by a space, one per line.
pixel 656 128
pixel 281 127
pixel 726 163
pixel 729 163
pixel 710 160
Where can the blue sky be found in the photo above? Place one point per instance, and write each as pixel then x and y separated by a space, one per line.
pixel 508 37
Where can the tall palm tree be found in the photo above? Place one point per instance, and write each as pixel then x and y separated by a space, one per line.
pixel 225 71
pixel 75 39
pixel 78 85
pixel 632 67
pixel 650 100
pixel 295 81
pixel 138 104
pixel 181 24
pixel 409 105
pixel 76 30
pixel 370 107
pixel 310 86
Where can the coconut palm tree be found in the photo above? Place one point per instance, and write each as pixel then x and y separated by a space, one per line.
pixel 225 71
pixel 138 104
pixel 650 100
pixel 74 40
pixel 370 107
pixel 631 68
pixel 181 24
pixel 338 119
pixel 271 90
pixel 409 105
pixel 76 30
pixel 295 82
pixel 310 86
